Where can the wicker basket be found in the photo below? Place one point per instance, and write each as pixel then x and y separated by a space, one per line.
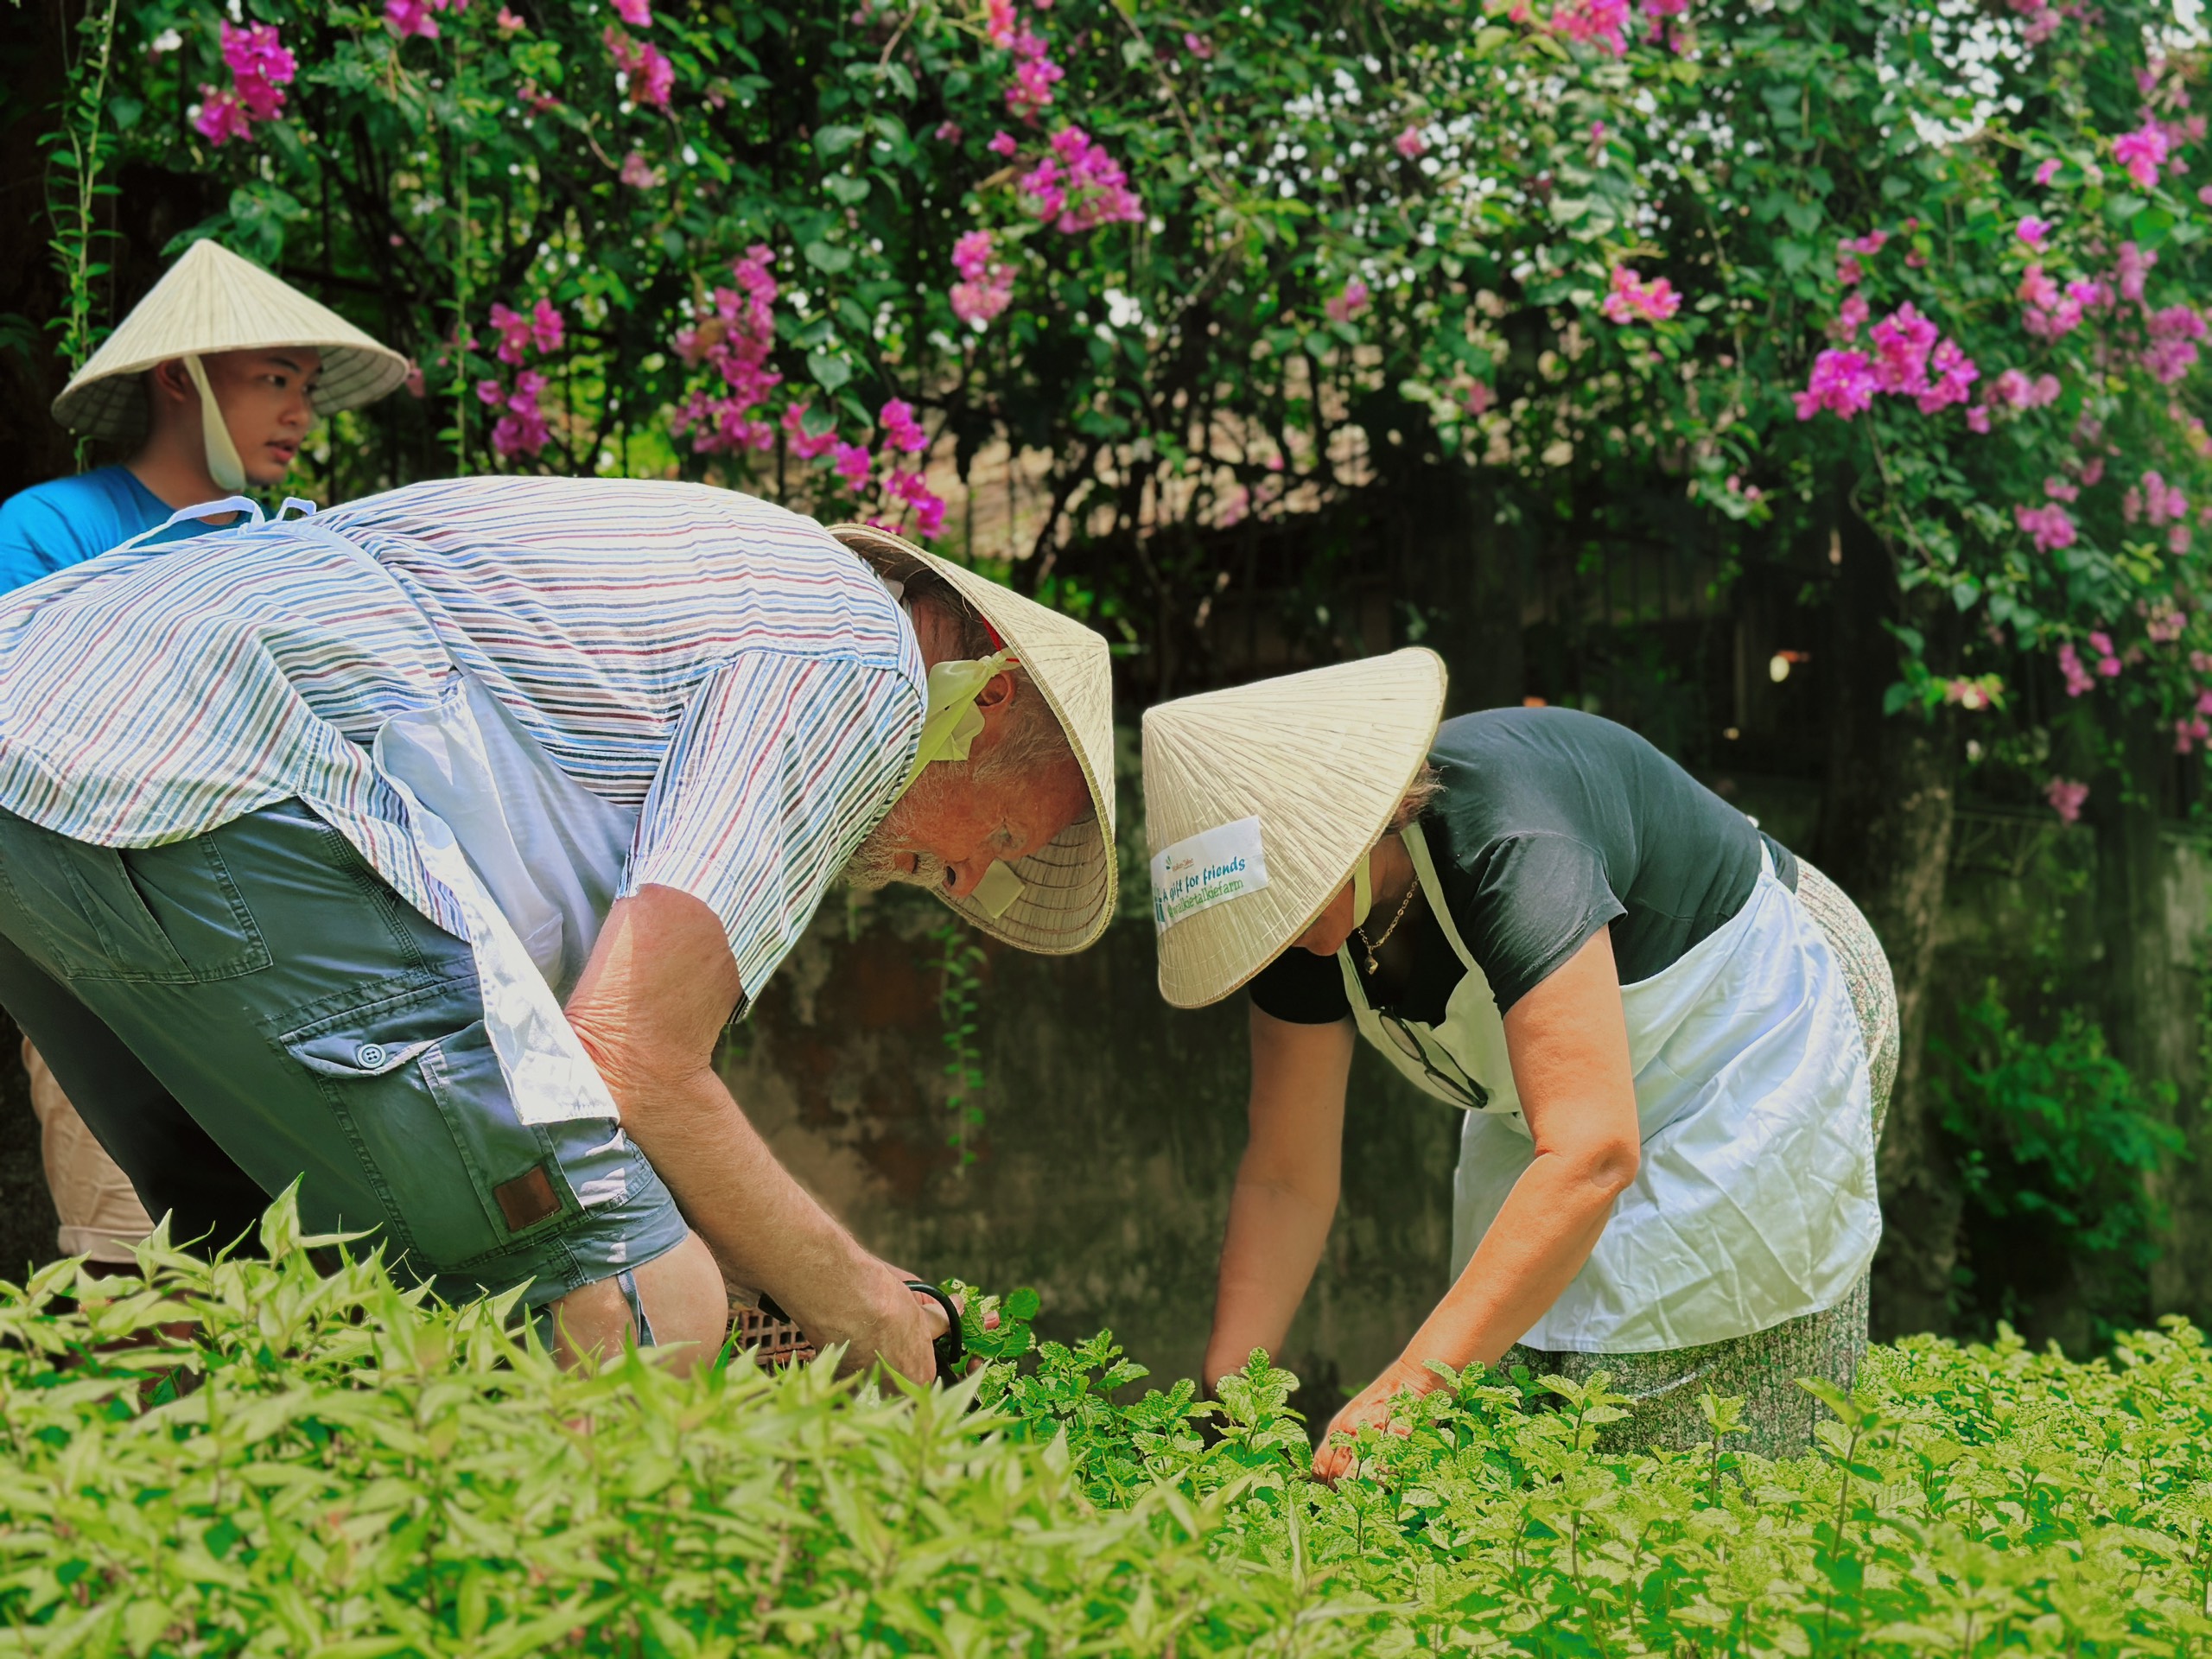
pixel 776 1341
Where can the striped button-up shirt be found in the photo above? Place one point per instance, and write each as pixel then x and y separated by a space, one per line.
pixel 717 662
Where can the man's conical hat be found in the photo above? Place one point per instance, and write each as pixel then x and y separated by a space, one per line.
pixel 1068 888
pixel 213 301
pixel 1298 778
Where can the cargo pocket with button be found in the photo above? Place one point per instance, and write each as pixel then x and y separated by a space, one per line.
pixel 421 1095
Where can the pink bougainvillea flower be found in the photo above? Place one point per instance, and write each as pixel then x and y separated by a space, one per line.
pixel 2133 267
pixel 260 67
pixel 638 173
pixel 2037 288
pixel 948 132
pixel 2050 527
pixel 2161 502
pixel 913 490
pixel 1634 300
pixel 801 443
pixel 2089 295
pixel 2047 170
pixel 2174 332
pixel 547 330
pixel 1902 342
pixel 735 340
pixel 1198 46
pixel 1477 398
pixel 850 462
pixel 1350 303
pixel 999 24
pixel 2032 230
pixel 900 430
pixel 220 118
pixel 2141 152
pixel 1034 76
pixel 1601 23
pixel 514 334
pixel 1409 144
pixel 508 24
pixel 1078 186
pixel 408 17
pixel 1955 372
pixel 1977 420
pixel 2078 680
pixel 1873 243
pixel 522 430
pixel 639 13
pixel 1842 383
pixel 2059 489
pixel 1001 144
pixel 986 285
pixel 650 75
pixel 1851 317
pixel 1849 271
pixel 491 393
pixel 2066 798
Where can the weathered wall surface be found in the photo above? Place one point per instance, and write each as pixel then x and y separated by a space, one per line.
pixel 1113 1127
pixel 1113 1122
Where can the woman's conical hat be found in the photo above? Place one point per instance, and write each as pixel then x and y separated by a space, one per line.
pixel 1259 800
pixel 213 301
pixel 1067 896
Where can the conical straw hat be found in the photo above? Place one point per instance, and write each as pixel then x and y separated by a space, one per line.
pixel 1067 896
pixel 213 301
pixel 1321 761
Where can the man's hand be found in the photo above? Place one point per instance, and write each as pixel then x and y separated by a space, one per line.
pixel 890 1323
pixel 1370 1404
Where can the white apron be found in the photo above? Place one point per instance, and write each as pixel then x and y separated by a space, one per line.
pixel 533 859
pixel 1754 1200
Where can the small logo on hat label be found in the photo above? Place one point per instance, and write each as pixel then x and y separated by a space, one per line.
pixel 1206 869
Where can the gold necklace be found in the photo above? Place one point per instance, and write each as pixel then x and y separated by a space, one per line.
pixel 1413 886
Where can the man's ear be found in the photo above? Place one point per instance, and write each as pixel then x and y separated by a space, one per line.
pixel 997 692
pixel 168 382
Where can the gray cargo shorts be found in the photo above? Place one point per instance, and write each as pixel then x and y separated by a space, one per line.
pixel 257 1005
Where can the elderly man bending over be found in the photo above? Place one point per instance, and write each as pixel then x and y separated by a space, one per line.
pixel 421 848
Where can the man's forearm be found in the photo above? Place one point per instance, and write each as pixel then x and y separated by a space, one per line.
pixel 767 1231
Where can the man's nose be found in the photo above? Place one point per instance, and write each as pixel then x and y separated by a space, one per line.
pixel 960 878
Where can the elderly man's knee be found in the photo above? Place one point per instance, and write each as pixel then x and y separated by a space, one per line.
pixel 684 1301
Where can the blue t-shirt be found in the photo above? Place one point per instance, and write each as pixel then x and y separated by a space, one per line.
pixel 52 526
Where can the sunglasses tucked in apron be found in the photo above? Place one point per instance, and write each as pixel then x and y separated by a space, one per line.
pixel 1754 1201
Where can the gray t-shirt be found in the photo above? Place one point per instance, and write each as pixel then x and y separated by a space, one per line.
pixel 1551 825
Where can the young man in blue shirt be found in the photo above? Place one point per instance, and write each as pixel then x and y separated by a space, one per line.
pixel 215 377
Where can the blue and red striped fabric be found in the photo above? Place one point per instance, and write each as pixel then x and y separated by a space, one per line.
pixel 718 661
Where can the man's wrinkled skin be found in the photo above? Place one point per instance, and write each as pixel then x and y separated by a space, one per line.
pixel 650 1007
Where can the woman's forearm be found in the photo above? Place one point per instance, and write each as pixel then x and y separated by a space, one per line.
pixel 1543 1234
pixel 1276 1234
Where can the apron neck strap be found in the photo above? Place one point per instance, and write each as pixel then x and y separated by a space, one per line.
pixel 1425 870
pixel 200 510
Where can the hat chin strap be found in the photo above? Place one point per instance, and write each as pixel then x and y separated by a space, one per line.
pixel 222 463
pixel 1363 893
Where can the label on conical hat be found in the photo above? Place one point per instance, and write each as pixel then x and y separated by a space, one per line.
pixel 1206 869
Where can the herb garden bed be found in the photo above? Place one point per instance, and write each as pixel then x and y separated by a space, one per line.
pixel 334 1467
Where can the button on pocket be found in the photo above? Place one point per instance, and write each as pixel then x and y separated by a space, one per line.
pixel 370 1056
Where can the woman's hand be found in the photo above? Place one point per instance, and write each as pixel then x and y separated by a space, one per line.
pixel 1370 1404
